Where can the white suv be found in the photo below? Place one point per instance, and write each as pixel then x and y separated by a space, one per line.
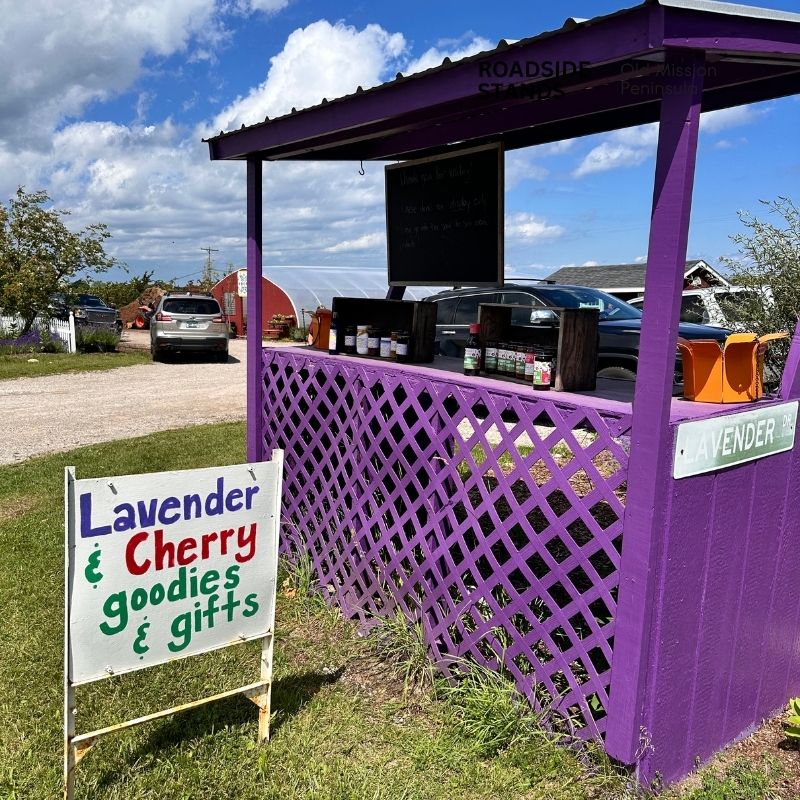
pixel 184 322
pixel 702 306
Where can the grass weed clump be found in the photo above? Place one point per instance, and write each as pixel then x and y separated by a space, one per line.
pixel 401 643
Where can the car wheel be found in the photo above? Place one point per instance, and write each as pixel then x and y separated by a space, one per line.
pixel 222 357
pixel 619 373
pixel 157 354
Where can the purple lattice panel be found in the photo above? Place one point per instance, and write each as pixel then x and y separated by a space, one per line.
pixel 491 513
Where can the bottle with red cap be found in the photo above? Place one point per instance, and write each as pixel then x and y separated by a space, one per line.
pixel 472 352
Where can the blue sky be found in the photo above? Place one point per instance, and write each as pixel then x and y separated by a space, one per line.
pixel 105 103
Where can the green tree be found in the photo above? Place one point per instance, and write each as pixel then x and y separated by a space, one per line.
pixel 115 293
pixel 39 254
pixel 769 268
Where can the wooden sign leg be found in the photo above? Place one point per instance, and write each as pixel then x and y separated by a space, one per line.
pixel 266 676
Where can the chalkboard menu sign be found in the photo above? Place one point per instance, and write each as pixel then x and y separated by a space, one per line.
pixel 444 219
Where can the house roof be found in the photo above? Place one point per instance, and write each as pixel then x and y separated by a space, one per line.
pixel 621 70
pixel 629 277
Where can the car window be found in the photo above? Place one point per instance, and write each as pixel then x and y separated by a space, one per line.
pixel 610 307
pixel 90 302
pixel 520 299
pixel 191 305
pixel 445 309
pixel 693 309
pixel 520 316
pixel 467 309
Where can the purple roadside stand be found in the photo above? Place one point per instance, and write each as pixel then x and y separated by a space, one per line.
pixel 660 614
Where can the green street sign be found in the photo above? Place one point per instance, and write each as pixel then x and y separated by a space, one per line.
pixel 706 445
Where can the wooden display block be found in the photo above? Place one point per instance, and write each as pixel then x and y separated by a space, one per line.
pixel 418 317
pixel 575 338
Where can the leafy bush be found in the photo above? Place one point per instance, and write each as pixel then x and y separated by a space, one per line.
pixel 297 334
pixel 48 343
pixel 791 727
pixel 769 260
pixel 91 339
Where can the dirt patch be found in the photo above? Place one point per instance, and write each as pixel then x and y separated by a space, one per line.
pixel 768 741
pixel 373 678
pixel 13 507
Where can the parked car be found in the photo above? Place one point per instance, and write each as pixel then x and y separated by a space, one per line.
pixel 188 322
pixel 87 309
pixel 711 305
pixel 619 326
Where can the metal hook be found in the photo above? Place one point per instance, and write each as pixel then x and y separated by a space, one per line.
pixel 361 168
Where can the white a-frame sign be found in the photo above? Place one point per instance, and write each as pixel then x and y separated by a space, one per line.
pixel 162 566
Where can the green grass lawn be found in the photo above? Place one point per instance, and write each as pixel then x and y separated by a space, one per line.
pixel 344 726
pixel 18 365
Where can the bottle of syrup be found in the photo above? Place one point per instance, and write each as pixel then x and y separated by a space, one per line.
pixel 332 349
pixel 472 352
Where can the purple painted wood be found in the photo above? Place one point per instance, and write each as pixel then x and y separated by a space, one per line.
pixel 790 384
pixel 488 512
pixel 651 437
pixel 255 386
pixel 724 643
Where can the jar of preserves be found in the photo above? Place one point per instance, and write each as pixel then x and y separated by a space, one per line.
pixel 373 342
pixel 393 336
pixel 403 349
pixel 362 340
pixel 386 346
pixel 350 339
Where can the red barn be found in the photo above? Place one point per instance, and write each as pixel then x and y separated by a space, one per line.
pixel 274 301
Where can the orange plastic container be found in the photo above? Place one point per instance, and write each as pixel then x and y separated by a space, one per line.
pixel 319 329
pixel 733 373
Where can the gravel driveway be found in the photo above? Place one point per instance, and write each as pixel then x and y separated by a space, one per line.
pixel 59 412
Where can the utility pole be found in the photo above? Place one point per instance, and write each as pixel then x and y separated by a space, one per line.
pixel 208 273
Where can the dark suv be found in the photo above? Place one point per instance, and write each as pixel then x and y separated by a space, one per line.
pixel 620 323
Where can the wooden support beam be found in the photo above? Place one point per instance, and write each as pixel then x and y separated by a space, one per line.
pixel 651 437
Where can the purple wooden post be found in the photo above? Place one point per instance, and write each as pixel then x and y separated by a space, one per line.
pixel 255 406
pixel 651 437
pixel 790 384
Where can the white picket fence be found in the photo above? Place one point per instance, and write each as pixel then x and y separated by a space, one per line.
pixel 61 328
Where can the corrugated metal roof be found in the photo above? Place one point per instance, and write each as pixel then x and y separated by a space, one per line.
pixel 571 23
pixel 732 9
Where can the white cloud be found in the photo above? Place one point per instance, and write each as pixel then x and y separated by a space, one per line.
pixel 320 60
pixel 452 49
pixel 521 166
pixel 151 181
pixel 590 263
pixel 368 241
pixel 609 155
pixel 57 57
pixel 522 226
pixel 716 121
pixel 630 147
pixel 267 6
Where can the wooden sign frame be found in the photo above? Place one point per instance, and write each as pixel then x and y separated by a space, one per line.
pixel 76 746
